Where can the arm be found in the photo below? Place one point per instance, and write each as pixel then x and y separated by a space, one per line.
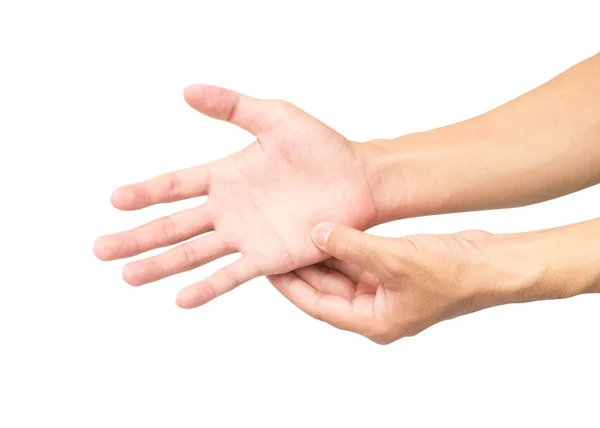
pixel 386 288
pixel 264 200
pixel 566 260
pixel 539 146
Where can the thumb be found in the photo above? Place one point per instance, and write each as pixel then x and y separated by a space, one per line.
pixel 351 245
pixel 253 115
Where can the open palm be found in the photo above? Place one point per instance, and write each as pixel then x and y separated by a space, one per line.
pixel 262 201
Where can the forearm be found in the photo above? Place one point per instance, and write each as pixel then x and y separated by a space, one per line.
pixel 539 146
pixel 549 264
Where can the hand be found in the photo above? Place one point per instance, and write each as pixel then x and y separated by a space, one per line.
pixel 262 201
pixel 386 288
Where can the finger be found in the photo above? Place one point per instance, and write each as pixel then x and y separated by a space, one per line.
pixel 351 245
pixel 351 271
pixel 158 233
pixel 365 282
pixel 172 186
pixel 222 281
pixel 251 114
pixel 327 281
pixel 187 256
pixel 334 310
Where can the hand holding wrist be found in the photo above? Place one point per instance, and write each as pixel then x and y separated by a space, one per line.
pixel 388 288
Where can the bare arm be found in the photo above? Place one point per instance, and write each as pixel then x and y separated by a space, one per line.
pixel 540 146
pixel 386 289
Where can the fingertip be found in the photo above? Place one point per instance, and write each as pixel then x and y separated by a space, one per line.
pixel 129 276
pixel 103 248
pixel 120 198
pixel 129 198
pixel 320 234
pixel 191 90
pixel 214 101
pixel 182 303
pixel 194 296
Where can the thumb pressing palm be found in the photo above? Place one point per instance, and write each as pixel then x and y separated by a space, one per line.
pixel 387 288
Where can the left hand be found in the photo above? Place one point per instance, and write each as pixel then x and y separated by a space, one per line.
pixel 262 201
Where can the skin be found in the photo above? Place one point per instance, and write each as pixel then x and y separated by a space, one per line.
pixel 539 146
pixel 265 200
pixel 262 201
pixel 386 289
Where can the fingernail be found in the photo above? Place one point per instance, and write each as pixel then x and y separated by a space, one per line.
pixel 321 233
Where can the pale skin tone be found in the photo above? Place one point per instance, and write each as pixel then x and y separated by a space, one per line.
pixel 262 201
pixel 269 200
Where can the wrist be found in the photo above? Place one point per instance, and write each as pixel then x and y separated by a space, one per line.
pixel 420 174
pixel 478 164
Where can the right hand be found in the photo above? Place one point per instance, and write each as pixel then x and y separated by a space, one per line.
pixel 387 288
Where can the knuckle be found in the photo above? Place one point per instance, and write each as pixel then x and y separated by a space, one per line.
pixel 230 276
pixel 282 105
pixel 174 185
pixel 189 254
pixel 208 291
pixel 134 245
pixel 169 229
pixel 392 265
pixel 475 236
pixel 345 249
pixel 207 217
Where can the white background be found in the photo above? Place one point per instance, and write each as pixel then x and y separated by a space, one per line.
pixel 90 98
